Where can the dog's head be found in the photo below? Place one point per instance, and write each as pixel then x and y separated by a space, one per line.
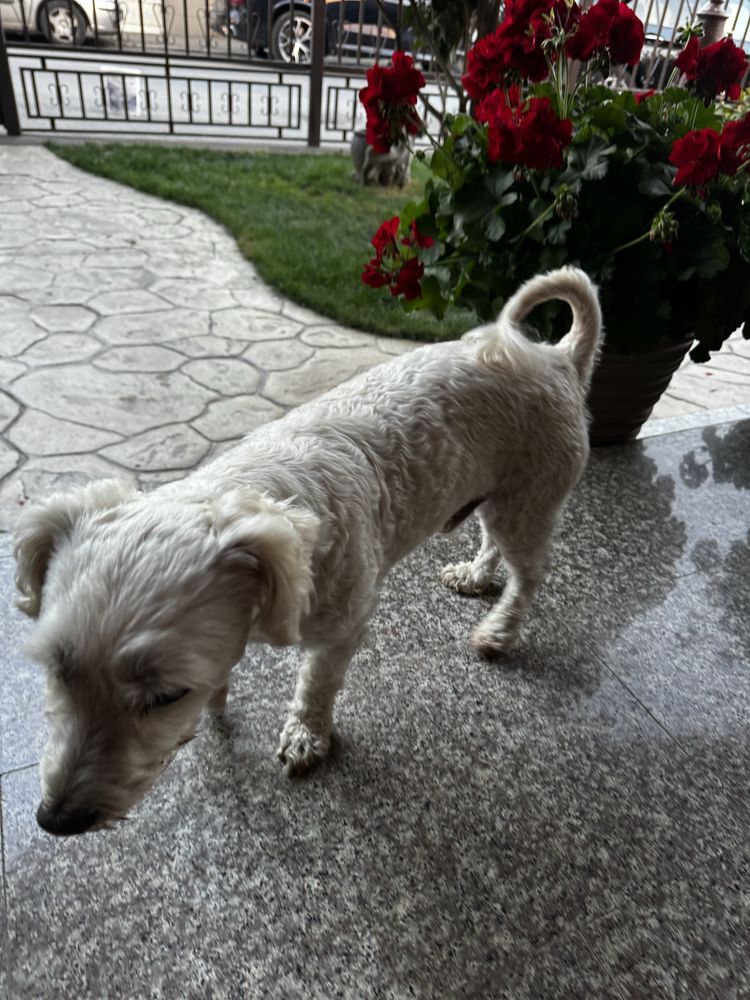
pixel 143 605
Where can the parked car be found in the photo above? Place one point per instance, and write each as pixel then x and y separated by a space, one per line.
pixel 62 22
pixel 353 27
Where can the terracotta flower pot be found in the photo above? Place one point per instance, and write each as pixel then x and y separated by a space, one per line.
pixel 625 388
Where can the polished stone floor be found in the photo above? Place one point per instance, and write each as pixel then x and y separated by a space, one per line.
pixel 572 822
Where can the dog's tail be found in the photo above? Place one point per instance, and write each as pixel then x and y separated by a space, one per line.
pixel 582 342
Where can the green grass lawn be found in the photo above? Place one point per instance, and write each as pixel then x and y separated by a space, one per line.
pixel 301 219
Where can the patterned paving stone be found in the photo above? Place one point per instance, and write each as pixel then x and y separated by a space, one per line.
pixel 61 348
pixel 10 370
pixel 160 217
pixel 324 370
pixel 117 259
pixel 39 477
pixel 17 278
pixel 126 301
pixel 9 459
pixel 278 355
pixel 126 403
pixel 176 447
pixel 154 327
pixel 141 358
pixel 253 326
pixel 67 319
pixel 36 433
pixel 209 347
pixel 256 295
pixel 332 336
pixel 389 345
pixel 193 293
pixel 227 376
pixel 9 410
pixel 228 419
pixel 18 336
pixel 10 238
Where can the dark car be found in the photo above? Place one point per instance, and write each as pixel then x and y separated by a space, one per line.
pixel 283 30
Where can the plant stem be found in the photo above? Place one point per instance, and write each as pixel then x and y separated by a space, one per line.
pixel 640 239
pixel 539 219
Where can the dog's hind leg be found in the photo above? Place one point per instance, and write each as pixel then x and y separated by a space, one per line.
pixel 474 577
pixel 525 545
pixel 306 736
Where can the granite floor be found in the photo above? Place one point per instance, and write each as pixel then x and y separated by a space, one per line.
pixel 572 822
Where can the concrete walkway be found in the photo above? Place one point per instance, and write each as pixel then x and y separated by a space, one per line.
pixel 135 340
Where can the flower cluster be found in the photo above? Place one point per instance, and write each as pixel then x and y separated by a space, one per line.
pixel 648 192
pixel 389 100
pixel 395 264
pixel 704 153
pixel 528 133
pixel 610 30
pixel 713 70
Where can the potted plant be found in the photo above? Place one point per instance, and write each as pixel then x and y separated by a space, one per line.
pixel 646 192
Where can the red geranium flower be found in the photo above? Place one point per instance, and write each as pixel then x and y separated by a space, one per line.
pixel 526 26
pixel 736 136
pixel 696 156
pixel 626 37
pixel 400 269
pixel 643 95
pixel 713 69
pixel 385 238
pixel 608 25
pixel 530 135
pixel 389 100
pixel 408 278
pixel 734 146
pixel 486 67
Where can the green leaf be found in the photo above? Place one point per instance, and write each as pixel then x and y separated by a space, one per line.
pixel 494 226
pixel 431 298
pixel 655 188
pixel 596 162
pixel 498 182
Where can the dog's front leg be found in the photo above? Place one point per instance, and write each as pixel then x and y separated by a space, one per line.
pixel 306 736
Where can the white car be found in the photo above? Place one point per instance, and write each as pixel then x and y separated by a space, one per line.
pixel 62 22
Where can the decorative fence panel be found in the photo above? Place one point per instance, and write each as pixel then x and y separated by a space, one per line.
pixel 265 70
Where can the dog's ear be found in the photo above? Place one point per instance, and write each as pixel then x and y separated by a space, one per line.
pixel 42 526
pixel 270 545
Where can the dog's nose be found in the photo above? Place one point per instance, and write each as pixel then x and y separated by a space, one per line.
pixel 65 824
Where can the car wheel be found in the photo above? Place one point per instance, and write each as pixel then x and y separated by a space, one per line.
pixel 63 22
pixel 291 37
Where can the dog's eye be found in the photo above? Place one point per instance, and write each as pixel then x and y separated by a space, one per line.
pixel 160 700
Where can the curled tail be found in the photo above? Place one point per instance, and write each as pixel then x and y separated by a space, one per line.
pixel 582 342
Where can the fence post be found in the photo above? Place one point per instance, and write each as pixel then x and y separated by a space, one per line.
pixel 316 71
pixel 8 109
pixel 713 18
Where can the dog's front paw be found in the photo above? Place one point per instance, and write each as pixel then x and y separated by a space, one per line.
pixel 491 644
pixel 464 578
pixel 300 747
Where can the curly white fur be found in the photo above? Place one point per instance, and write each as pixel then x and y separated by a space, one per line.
pixel 145 602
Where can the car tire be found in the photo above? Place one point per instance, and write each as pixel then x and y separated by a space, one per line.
pixel 291 37
pixel 63 23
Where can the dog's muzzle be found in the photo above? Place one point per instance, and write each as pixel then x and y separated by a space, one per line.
pixel 65 824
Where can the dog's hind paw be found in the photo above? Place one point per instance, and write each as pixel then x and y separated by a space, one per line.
pixel 464 578
pixel 300 748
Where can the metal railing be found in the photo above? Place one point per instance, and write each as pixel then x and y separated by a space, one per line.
pixel 272 70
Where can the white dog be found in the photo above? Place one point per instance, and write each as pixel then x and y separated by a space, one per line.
pixel 145 602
